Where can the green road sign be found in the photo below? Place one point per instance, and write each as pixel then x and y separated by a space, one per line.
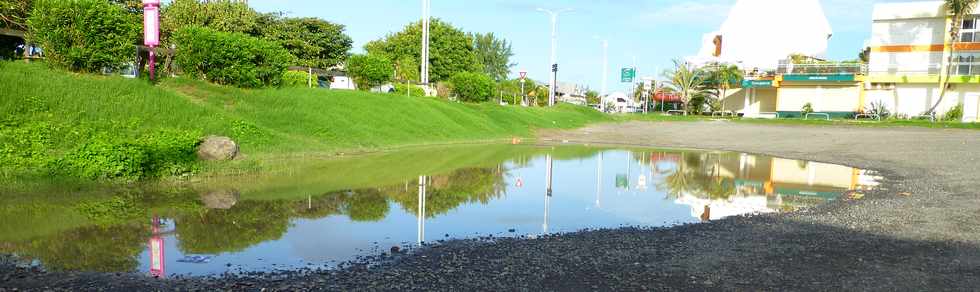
pixel 628 75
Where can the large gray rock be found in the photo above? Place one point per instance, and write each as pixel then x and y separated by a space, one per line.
pixel 217 148
pixel 221 199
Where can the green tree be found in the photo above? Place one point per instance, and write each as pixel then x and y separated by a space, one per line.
pixel 82 35
pixel 592 97
pixel 688 81
pixel 14 13
pixel 314 42
pixel 450 49
pixel 865 55
pixel 494 54
pixel 472 87
pixel 958 10
pixel 369 70
pixel 724 77
pixel 230 58
pixel 219 15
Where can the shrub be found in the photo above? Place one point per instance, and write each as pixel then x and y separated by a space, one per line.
pixel 83 35
pixel 230 58
pixel 807 109
pixel 412 90
pixel 296 79
pixel 369 70
pixel 954 114
pixel 110 157
pixel 472 87
pixel 878 108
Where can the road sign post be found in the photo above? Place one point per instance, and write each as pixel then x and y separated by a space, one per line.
pixel 523 80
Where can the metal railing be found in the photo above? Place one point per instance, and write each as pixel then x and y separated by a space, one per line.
pixel 823 69
pixel 825 115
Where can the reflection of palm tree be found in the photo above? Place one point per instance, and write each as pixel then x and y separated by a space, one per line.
pixel 720 188
pixel 682 180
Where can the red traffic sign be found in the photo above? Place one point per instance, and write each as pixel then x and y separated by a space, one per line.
pixel 523 75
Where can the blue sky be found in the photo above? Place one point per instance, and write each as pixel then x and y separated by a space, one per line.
pixel 654 31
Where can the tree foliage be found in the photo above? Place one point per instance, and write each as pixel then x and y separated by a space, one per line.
pixel 14 13
pixel 315 42
pixel 450 49
pixel 230 58
pixel 494 54
pixel 219 15
pixel 369 70
pixel 688 82
pixel 82 35
pixel 472 87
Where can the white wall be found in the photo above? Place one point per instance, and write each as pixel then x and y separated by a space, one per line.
pixel 915 99
pixel 905 32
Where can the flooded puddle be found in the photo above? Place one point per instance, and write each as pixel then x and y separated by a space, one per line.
pixel 321 213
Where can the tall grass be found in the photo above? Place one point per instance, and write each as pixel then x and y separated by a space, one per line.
pixel 264 122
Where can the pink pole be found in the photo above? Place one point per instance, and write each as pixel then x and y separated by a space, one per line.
pixel 153 65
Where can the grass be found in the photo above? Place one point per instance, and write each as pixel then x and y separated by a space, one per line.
pixel 267 123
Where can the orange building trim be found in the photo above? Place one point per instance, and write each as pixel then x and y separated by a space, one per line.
pixel 924 48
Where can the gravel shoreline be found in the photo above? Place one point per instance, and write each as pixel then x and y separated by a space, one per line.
pixel 919 231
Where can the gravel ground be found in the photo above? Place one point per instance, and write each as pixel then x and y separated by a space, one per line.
pixel 919 231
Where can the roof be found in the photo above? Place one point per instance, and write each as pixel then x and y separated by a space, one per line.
pixel 908 10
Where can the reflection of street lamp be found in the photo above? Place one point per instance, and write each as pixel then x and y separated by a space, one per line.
pixel 547 196
pixel 598 184
pixel 157 259
pixel 421 212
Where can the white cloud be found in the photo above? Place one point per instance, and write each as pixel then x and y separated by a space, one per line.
pixel 689 11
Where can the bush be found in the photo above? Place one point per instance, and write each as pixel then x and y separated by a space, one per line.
pixel 472 87
pixel 412 90
pixel 807 109
pixel 83 35
pixel 954 114
pixel 109 157
pixel 296 79
pixel 230 58
pixel 369 70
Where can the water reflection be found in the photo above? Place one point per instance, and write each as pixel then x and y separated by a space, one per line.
pixel 302 218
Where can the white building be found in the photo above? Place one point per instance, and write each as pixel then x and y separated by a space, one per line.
pixel 619 102
pixel 909 50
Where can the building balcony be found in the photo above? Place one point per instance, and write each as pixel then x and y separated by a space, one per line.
pixel 822 69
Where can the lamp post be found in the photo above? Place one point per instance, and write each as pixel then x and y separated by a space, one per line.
pixel 605 72
pixel 425 45
pixel 151 30
pixel 554 49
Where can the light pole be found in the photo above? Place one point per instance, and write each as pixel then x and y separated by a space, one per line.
pixel 424 76
pixel 554 49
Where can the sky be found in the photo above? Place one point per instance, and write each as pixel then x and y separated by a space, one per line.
pixel 651 32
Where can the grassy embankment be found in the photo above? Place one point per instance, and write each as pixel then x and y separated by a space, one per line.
pixel 52 112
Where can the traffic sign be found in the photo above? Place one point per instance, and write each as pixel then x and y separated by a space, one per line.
pixel 628 74
pixel 523 75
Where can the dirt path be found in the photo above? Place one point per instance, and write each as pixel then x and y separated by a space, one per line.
pixel 920 231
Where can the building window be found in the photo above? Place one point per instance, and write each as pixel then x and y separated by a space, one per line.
pixel 967 64
pixel 968 30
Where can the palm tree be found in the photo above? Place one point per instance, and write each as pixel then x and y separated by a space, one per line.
pixel 686 80
pixel 726 76
pixel 958 10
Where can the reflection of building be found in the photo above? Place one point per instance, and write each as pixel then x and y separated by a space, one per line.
pixel 727 184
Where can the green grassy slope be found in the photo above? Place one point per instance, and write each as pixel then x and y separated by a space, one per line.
pixel 55 111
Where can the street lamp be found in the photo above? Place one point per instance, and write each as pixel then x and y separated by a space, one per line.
pixel 605 72
pixel 425 45
pixel 554 48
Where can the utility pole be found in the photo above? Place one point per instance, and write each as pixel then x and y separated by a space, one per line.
pixel 425 45
pixel 554 49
